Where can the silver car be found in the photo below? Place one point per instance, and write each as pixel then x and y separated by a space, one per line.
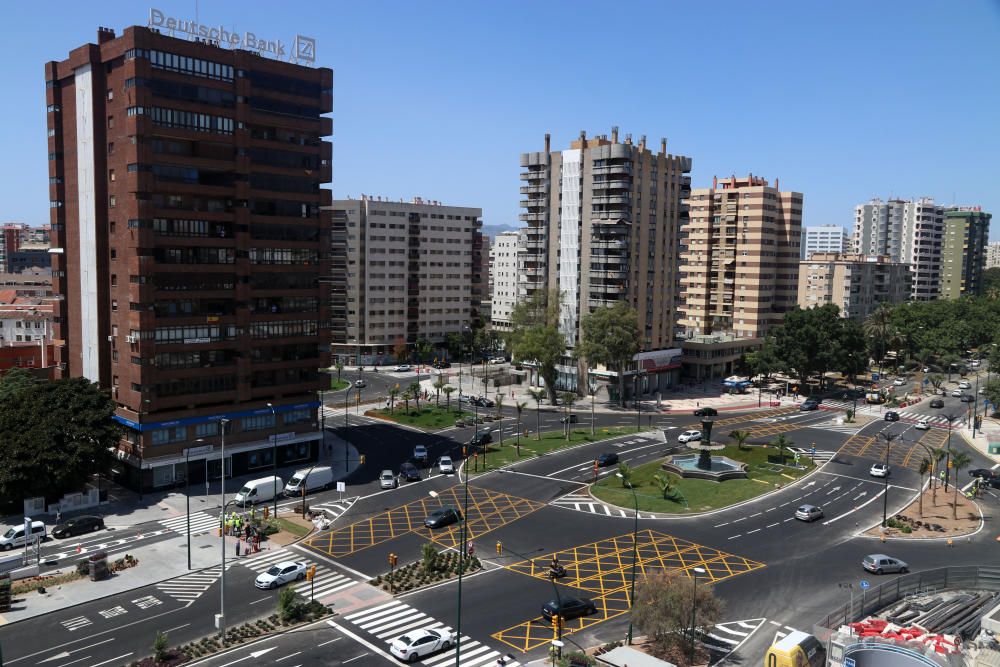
pixel 882 564
pixel 688 436
pixel 808 513
pixel 387 480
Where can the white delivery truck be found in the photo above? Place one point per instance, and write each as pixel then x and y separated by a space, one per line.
pixel 315 478
pixel 259 491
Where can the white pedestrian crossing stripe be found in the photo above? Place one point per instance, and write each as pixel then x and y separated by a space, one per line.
pixel 723 638
pixel 76 623
pixel 821 455
pixel 147 602
pixel 833 425
pixel 583 503
pixel 189 587
pixel 392 619
pixel 114 611
pixel 332 508
pixel 201 522
pixel 325 582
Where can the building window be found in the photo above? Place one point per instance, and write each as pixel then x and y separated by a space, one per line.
pixel 112 201
pixel 165 436
pixel 111 177
pixel 111 147
pixel 206 430
pixel 114 305
pixel 111 122
pixel 111 94
pixel 297 416
pixel 258 422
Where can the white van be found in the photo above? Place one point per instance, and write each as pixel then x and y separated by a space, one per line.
pixel 14 537
pixel 317 477
pixel 259 491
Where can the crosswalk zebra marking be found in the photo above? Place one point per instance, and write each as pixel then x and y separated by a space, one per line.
pixel 201 522
pixel 722 639
pixel 821 455
pixel 387 621
pixel 76 623
pixel 189 587
pixel 584 503
pixel 325 582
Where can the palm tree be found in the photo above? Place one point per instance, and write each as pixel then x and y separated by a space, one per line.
pixel 538 395
pixel 959 460
pixel 666 486
pixel 925 467
pixel 740 437
pixel 520 408
pixel 568 398
pixel 500 416
pixel 940 453
pixel 414 390
pixel 782 443
pixel 392 397
pixel 406 397
pixel 447 389
pixel 625 472
pixel 438 386
pixel 878 326
pixel 340 368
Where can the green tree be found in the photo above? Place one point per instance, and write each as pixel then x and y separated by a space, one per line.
pixel 448 390
pixel 762 363
pixel 429 554
pixel 879 328
pixel 53 436
pixel 14 381
pixel 568 399
pixel 393 392
pixel 959 460
pixel 535 336
pixel 406 399
pixel 666 485
pixel 809 341
pixel 626 475
pixel 782 443
pixel 940 454
pixel 287 604
pixel 423 350
pixel 439 384
pixel 611 336
pixel 936 381
pixel 160 644
pixel 662 610
pixel 340 368
pixel 453 344
pixel 992 393
pixel 538 395
pixel 415 392
pixel 400 350
pixel 991 281
pixel 925 467
pixel 851 352
pixel 740 437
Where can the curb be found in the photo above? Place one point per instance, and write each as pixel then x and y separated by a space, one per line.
pixel 945 538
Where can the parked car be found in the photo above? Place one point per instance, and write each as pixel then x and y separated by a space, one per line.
pixel 415 644
pixel 923 425
pixel 14 537
pixel 956 393
pixel 571 419
pixel 809 404
pixel 964 385
pixel 445 465
pixel 442 517
pixel 481 438
pixel 879 470
pixel 898 382
pixel 359 383
pixel 311 479
pixel 259 491
pixel 387 480
pixel 462 423
pixel 402 368
pixel 984 473
pixel 937 403
pixel 706 412
pixel 420 453
pixel 568 607
pixel 466 398
pixel 78 525
pixel 882 564
pixel 808 513
pixel 409 472
pixel 281 573
pixel 967 398
pixel 891 416
pixel 484 402
pixel 607 459
pixel 688 436
pixel 975 363
pixel 498 360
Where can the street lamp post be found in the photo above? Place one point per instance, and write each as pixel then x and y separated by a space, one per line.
pixel 274 457
pixel 461 565
pixel 222 534
pixel 635 556
pixel 888 437
pixel 975 406
pixel 346 425
pixel 951 417
pixel 187 497
pixel 694 607
pixel 322 425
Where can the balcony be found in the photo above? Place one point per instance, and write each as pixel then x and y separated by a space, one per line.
pixel 532 217
pixel 539 202
pixel 535 175
pixel 614 184
pixel 620 168
pixel 534 189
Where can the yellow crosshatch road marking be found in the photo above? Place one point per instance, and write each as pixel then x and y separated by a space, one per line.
pixel 604 569
pixel 903 454
pixel 728 421
pixel 488 510
pixel 772 429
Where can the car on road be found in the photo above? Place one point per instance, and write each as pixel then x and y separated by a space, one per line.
pixel 442 364
pixel 964 385
pixel 898 382
pixel 956 393
pixel 420 453
pixel 706 412
pixel 891 416
pixel 462 423
pixel 967 398
pixel 409 472
pixel 484 402
pixel 445 465
pixel 937 403
pixel 466 398
pixel 568 607
pixel 78 525
pixel 975 363
pixel 402 368
pixel 481 438
pixel 359 384
pixel 808 513
pixel 923 425
pixel 281 573
pixel 809 404
pixel 984 473
pixel 688 436
pixel 387 480
pixel 607 459
pixel 498 360
pixel 415 644
pixel 569 419
pixel 445 516
pixel 882 564
pixel 879 470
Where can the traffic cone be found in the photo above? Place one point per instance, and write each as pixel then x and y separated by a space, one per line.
pixel 78 546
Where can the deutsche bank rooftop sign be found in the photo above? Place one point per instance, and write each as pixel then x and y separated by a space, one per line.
pixel 302 50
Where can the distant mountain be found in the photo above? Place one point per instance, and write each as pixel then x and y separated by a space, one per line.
pixel 492 230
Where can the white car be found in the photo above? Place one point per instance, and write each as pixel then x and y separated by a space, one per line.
pixel 281 573
pixel 445 465
pixel 498 360
pixel 957 393
pixel 416 644
pixel 420 453
pixel 359 383
pixel 922 425
pixel 402 368
pixel 898 382
pixel 879 470
pixel 975 363
pixel 387 480
pixel 688 436
pixel 964 385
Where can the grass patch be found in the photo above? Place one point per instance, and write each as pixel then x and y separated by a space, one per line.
pixel 701 495
pixel 337 385
pixel 429 416
pixel 501 455
pixel 292 527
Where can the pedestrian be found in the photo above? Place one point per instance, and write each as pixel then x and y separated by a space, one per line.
pixel 59 515
pixel 238 542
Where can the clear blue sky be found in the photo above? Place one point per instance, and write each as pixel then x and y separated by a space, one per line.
pixel 842 101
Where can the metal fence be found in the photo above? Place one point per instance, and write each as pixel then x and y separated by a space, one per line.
pixel 972 577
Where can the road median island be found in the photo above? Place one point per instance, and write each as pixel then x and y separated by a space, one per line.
pixel 533 446
pixel 667 493
pixel 936 517
pixel 428 417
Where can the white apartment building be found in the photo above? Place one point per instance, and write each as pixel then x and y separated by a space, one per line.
pixel 993 255
pixel 825 239
pixel 504 255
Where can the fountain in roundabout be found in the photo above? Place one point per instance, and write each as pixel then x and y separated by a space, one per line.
pixel 704 465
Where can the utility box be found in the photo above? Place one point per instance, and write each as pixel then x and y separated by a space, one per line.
pixel 994 448
pixel 98 566
pixel 5 592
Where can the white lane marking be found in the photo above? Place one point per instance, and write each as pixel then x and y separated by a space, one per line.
pixel 735 536
pixel 755 530
pixel 112 659
pixel 772 525
pixel 837 518
pixel 361 641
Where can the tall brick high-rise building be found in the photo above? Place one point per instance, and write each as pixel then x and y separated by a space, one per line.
pixel 188 244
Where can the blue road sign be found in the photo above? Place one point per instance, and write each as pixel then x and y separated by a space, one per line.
pixel 874 377
pixel 865 585
pixel 848 662
pixel 926 381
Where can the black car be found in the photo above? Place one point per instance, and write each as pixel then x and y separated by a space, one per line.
pixel 984 473
pixel 706 412
pixel 607 459
pixel 481 438
pixel 440 518
pixel 570 419
pixel 78 525
pixel 442 364
pixel 937 403
pixel 483 402
pixel 967 398
pixel 891 416
pixel 409 472
pixel 809 404
pixel 568 607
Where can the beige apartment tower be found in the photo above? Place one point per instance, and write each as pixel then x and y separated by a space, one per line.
pixel 857 284
pixel 602 222
pixel 740 263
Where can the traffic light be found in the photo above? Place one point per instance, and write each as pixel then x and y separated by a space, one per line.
pixel 499 548
pixel 555 626
pixel 361 459
pixel 393 559
pixel 465 451
pixel 310 573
